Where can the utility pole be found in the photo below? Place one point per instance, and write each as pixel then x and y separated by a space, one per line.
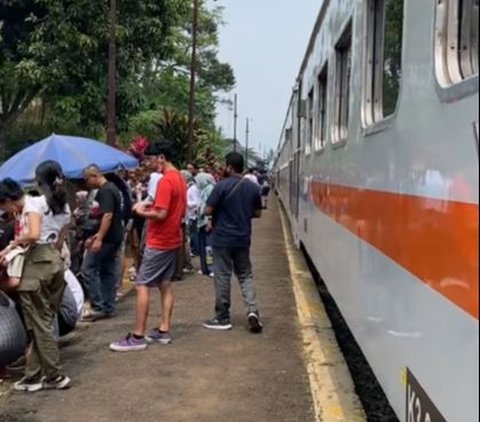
pixel 235 118
pixel 193 72
pixel 247 136
pixel 112 77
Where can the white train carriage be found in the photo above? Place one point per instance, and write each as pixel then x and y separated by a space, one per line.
pixel 378 170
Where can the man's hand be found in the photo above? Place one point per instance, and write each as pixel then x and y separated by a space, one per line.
pixel 96 245
pixel 209 226
pixel 141 208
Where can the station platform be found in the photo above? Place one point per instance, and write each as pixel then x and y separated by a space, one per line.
pixel 294 371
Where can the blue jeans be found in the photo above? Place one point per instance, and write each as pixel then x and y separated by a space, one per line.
pixel 203 242
pixel 100 274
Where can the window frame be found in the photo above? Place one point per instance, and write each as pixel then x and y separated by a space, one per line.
pixel 373 99
pixel 455 70
pixel 343 79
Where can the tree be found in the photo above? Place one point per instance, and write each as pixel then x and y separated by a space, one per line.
pixel 57 50
pixel 167 81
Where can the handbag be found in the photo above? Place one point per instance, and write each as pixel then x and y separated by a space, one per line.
pixel 13 338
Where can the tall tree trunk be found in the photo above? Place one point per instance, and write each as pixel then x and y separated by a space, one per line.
pixel 112 77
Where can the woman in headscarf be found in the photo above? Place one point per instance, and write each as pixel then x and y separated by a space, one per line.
pixel 205 183
pixel 42 284
pixel 184 261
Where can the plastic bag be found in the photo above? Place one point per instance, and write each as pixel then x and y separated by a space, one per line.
pixel 13 338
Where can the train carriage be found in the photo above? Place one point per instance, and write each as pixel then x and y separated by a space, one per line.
pixel 377 168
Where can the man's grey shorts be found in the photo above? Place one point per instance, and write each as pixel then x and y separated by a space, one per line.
pixel 157 267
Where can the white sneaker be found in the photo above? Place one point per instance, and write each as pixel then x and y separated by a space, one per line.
pixel 60 383
pixel 28 386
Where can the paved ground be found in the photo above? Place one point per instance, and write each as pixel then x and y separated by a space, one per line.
pixel 204 376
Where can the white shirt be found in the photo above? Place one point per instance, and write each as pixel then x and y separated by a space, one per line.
pixel 155 177
pixel 252 178
pixel 51 225
pixel 76 290
pixel 193 202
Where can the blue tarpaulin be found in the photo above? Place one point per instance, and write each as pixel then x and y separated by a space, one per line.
pixel 73 154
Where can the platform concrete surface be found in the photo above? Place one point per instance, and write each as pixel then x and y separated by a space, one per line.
pixel 203 376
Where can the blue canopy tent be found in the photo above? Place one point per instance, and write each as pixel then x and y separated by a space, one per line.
pixel 73 154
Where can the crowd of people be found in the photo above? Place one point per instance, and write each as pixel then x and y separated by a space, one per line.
pixel 64 252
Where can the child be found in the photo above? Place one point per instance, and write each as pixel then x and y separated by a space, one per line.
pixel 13 256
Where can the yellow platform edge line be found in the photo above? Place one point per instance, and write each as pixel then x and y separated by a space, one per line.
pixel 332 388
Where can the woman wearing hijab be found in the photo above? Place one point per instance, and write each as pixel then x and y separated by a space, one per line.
pixel 205 183
pixel 47 218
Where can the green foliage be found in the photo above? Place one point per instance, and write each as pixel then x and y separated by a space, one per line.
pixel 53 69
pixel 393 55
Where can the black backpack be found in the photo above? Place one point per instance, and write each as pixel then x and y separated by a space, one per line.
pixel 126 200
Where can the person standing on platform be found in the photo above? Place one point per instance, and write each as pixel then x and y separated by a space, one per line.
pixel 42 284
pixel 193 205
pixel 192 169
pixel 164 240
pixel 233 204
pixel 155 177
pixel 206 183
pixel 252 177
pixel 100 270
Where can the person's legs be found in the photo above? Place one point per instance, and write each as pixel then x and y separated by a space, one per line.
pixel 202 250
pixel 91 278
pixel 156 266
pixel 168 300
pixel 142 310
pixel 188 266
pixel 222 281
pixel 193 237
pixel 109 274
pixel 44 356
pixel 121 266
pixel 243 271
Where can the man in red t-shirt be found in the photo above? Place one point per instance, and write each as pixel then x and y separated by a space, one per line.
pixel 164 240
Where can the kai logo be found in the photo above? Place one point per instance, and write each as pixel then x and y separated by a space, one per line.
pixel 419 406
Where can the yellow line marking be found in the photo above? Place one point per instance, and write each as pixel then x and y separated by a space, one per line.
pixel 331 384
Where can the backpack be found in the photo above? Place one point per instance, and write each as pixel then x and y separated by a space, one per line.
pixel 126 201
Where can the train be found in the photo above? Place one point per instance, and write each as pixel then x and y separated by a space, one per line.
pixel 378 170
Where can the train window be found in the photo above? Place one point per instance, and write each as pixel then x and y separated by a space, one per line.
pixel 322 99
pixel 310 121
pixel 457 30
pixel 384 59
pixel 342 85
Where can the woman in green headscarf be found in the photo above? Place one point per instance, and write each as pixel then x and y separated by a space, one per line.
pixel 205 183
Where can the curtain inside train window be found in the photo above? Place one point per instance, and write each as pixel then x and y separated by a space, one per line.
pixel 342 85
pixel 321 136
pixel 310 120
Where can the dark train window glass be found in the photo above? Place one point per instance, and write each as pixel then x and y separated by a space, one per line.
pixel 342 85
pixel 384 58
pixel 310 120
pixel 321 137
pixel 468 37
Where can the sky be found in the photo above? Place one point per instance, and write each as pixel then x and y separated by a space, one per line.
pixel 265 42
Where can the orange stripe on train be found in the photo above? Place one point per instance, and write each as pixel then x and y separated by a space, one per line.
pixel 434 239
